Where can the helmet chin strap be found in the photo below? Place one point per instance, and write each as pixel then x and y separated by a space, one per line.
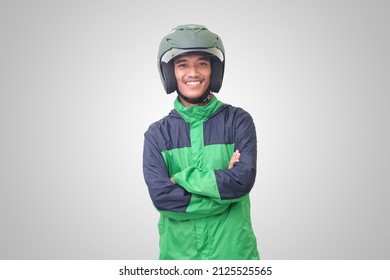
pixel 202 99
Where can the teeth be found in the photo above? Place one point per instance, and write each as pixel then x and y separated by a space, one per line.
pixel 193 83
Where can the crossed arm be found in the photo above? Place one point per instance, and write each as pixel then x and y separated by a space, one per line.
pixel 235 158
pixel 182 196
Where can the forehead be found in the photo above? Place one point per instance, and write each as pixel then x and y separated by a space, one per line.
pixel 191 56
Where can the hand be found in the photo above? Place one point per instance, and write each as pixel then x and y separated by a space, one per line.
pixel 172 180
pixel 235 158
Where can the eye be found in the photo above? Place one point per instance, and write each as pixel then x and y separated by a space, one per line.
pixel 181 65
pixel 203 63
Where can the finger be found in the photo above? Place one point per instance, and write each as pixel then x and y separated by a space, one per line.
pixel 236 155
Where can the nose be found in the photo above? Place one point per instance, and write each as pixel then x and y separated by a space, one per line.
pixel 193 71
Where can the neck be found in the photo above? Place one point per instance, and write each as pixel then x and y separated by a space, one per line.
pixel 204 101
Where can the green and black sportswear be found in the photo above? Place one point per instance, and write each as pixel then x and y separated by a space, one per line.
pixel 206 213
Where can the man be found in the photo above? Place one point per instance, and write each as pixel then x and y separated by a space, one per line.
pixel 199 162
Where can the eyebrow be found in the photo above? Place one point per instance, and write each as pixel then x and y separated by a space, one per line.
pixel 180 60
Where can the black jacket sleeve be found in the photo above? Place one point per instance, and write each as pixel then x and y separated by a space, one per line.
pixel 171 199
pixel 238 181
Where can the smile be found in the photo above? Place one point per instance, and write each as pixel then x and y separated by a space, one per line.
pixel 193 83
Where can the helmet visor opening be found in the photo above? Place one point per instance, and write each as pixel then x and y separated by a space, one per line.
pixel 172 53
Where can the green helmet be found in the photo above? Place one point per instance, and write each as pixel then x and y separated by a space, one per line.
pixel 185 39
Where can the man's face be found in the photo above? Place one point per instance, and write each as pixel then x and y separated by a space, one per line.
pixel 192 74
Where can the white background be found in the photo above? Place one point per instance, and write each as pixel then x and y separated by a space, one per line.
pixel 79 87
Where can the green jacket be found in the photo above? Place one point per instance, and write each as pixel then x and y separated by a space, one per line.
pixel 206 213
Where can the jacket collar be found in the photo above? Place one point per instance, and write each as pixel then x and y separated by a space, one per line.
pixel 197 113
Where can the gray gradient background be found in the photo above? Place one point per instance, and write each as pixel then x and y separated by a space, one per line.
pixel 79 86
